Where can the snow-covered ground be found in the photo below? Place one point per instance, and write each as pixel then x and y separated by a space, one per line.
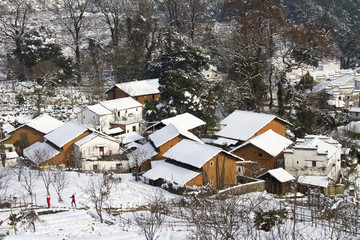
pixel 82 222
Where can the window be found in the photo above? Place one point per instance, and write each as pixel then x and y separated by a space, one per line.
pixel 260 154
pixel 127 131
pixel 136 98
pixel 95 167
pixel 357 114
pixel 314 163
pixel 297 162
pixel 211 163
pixel 339 98
pixel 118 165
pixel 101 149
pixel 93 117
pixel 119 114
pixel 348 97
pixel 134 128
pixel 153 96
pixel 84 117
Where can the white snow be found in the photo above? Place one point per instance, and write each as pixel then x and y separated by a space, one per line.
pixel 11 155
pixel 241 125
pixel 7 128
pixel 192 153
pixel 44 123
pixel 120 104
pixel 280 174
pixel 99 109
pixel 130 137
pixel 65 133
pixel 39 152
pixel 169 132
pixel 318 181
pixel 186 121
pixel 142 153
pixel 170 173
pixel 140 88
pixel 225 141
pixel 114 131
pixel 270 142
pixel 321 146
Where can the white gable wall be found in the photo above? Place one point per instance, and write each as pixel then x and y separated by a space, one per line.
pixel 129 114
pixel 300 162
pixel 91 148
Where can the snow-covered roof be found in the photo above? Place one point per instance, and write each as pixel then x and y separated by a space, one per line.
pixel 9 155
pixel 242 125
pixel 319 87
pixel 40 152
pixel 320 146
pixel 343 79
pixel 142 153
pixel 120 104
pixel 65 133
pixel 92 136
pixel 353 127
pixel 44 123
pixel 280 174
pixel 85 139
pixel 140 88
pixel 114 131
pixel 169 132
pixel 194 153
pixel 355 109
pixel 270 142
pixel 224 141
pixel 130 137
pixel 170 173
pixel 7 128
pixel 186 121
pixel 99 109
pixel 318 181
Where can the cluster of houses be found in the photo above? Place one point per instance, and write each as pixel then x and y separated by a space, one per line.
pixel 109 136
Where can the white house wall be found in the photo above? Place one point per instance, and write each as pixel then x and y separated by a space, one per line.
pixel 117 165
pixel 91 148
pixel 299 162
pixel 129 114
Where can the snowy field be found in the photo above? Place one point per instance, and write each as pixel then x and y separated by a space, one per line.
pixel 82 222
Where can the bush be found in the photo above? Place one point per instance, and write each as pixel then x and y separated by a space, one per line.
pixel 266 220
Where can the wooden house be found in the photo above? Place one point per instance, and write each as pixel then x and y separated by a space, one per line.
pixel 277 181
pixel 138 90
pixel 31 132
pixel 266 151
pixel 190 163
pixel 58 148
pixel 244 125
pixel 169 136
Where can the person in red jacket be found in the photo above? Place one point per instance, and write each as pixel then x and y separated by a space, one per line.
pixel 48 200
pixel 73 200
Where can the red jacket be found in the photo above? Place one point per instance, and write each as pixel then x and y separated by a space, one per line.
pixel 73 198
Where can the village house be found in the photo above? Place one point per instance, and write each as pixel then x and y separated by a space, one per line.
pixel 98 151
pixel 342 89
pixel 10 159
pixel 31 132
pixel 265 151
pixel 212 74
pixel 58 148
pixel 121 115
pixel 277 181
pixel 139 90
pixel 314 155
pixel 169 136
pixel 195 164
pixel 241 126
pixel 354 113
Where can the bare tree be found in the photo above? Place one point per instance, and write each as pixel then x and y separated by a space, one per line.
pixel 59 183
pixel 29 178
pixel 113 11
pixel 99 189
pixel 136 158
pixel 151 221
pixel 71 14
pixel 5 179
